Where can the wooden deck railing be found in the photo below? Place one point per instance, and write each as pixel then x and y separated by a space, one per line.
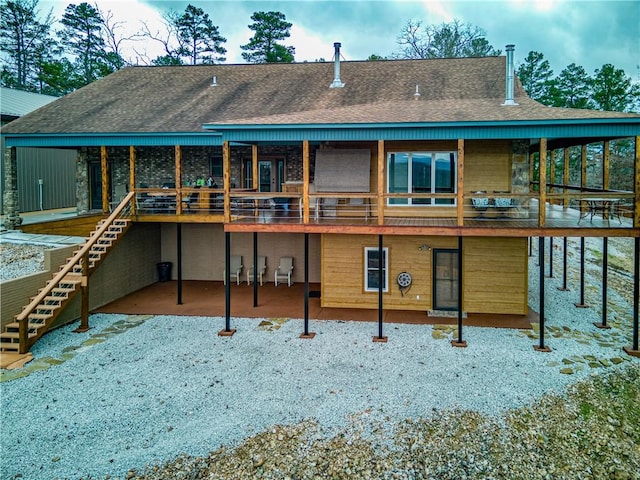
pixel 81 257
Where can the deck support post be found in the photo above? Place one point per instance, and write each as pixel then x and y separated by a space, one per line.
pixel 255 268
pixel 530 246
pixel 581 304
pixel 605 268
pixel 459 342
pixel 381 273
pixel 84 293
pixel 564 288
pixel 541 346
pixel 306 334
pixel 228 331
pixel 633 349
pixel 550 257
pixel 179 256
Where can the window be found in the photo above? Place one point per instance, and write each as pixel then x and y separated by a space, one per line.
pixel 216 166
pixel 421 172
pixel 372 268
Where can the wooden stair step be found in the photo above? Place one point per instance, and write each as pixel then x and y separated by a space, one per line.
pixel 11 336
pixel 43 316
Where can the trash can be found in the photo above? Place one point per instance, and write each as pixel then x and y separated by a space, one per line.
pixel 164 271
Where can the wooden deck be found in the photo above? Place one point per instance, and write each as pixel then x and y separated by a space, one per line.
pixel 203 298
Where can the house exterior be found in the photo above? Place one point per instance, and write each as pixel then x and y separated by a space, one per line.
pixel 46 177
pixel 380 178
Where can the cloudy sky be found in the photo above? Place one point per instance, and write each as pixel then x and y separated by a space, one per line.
pixel 590 33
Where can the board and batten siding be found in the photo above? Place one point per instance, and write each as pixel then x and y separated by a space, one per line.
pixel 494 273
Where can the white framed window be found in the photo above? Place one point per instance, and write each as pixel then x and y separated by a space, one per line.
pixel 422 172
pixel 372 266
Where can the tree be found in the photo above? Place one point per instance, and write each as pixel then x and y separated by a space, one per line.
pixel 22 35
pixel 447 40
pixel 535 74
pixel 269 27
pixel 200 38
pixel 82 34
pixel 571 89
pixel 613 90
pixel 189 36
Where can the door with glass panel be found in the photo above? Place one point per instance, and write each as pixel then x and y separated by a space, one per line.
pixel 271 175
pixel 445 279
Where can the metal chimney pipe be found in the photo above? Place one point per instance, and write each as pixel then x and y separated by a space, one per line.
pixel 336 67
pixel 510 76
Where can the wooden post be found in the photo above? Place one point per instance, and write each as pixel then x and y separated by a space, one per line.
pixel 84 295
pixel 104 168
pixel 254 167
pixel 381 181
pixel 226 175
pixel 305 181
pixel 606 161
pixel 178 160
pixel 583 168
pixel 132 176
pixel 565 178
pixel 460 186
pixel 636 169
pixel 552 171
pixel 543 183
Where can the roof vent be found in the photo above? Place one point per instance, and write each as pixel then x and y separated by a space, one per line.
pixel 417 94
pixel 214 81
pixel 336 67
pixel 509 88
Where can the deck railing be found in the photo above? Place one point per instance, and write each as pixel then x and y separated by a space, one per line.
pixel 246 205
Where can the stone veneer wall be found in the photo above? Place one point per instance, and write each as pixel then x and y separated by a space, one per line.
pixel 520 172
pixel 82 182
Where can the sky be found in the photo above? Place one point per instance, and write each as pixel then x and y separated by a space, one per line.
pixel 589 33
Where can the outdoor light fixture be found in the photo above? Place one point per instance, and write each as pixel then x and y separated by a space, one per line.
pixel 424 247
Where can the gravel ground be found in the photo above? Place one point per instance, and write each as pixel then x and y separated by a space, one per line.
pixel 17 260
pixel 139 391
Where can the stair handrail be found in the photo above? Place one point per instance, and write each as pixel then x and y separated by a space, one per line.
pixel 26 311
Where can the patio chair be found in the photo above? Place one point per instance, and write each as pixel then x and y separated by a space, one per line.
pixel 284 271
pixel 235 270
pixel 480 203
pixel 313 203
pixel 262 267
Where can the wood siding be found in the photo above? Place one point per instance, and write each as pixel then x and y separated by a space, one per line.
pixel 495 274
pixel 494 269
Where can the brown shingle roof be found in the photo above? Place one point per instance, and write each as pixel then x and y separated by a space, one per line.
pixel 181 99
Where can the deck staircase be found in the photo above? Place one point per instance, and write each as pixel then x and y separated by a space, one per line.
pixel 37 317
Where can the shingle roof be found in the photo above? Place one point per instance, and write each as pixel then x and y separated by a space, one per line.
pixel 181 98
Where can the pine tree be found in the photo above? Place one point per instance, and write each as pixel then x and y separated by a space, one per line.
pixel 263 47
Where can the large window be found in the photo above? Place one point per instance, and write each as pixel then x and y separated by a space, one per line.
pixel 421 172
pixel 372 265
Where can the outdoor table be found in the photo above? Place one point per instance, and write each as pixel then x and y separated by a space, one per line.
pixel 605 207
